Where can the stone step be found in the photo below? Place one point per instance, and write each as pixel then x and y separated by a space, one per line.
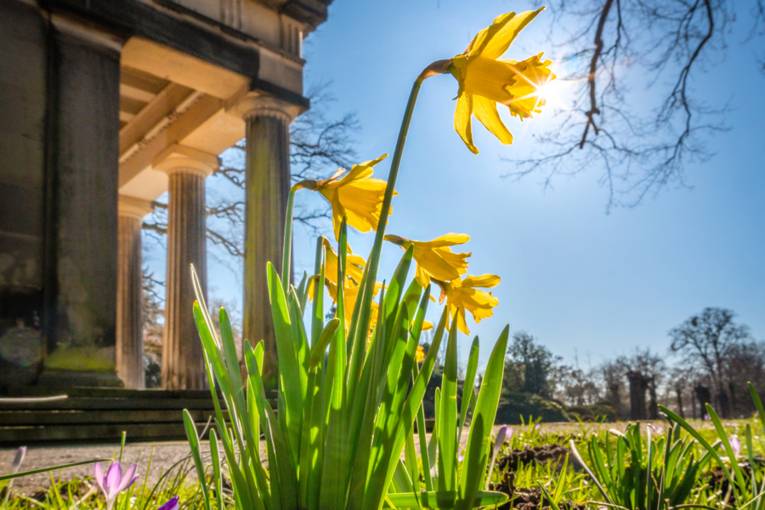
pixel 97 415
pixel 79 416
pixel 96 433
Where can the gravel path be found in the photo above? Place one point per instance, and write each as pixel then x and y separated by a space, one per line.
pixel 162 455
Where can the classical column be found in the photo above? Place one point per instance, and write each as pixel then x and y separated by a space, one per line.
pixel 187 168
pixel 129 291
pixel 80 249
pixel 267 186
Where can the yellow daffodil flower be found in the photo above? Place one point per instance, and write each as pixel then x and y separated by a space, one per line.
pixel 354 195
pixel 435 258
pixel 354 266
pixel 350 295
pixel 464 295
pixel 419 355
pixel 485 80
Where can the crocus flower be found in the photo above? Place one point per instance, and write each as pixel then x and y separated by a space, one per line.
pixel 171 504
pixel 503 434
pixel 115 480
pixel 435 258
pixel 735 444
pixel 353 195
pixel 656 430
pixel 18 459
pixel 464 294
pixel 486 81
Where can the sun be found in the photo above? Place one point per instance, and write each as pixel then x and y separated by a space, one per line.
pixel 554 92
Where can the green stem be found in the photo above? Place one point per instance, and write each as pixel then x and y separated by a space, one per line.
pixel 360 328
pixel 287 240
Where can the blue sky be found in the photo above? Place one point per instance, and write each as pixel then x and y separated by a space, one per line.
pixel 589 285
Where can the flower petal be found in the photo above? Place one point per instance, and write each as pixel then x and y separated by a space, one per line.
pixel 503 31
pixel 171 504
pixel 462 120
pixel 449 239
pixel 485 111
pixel 98 474
pixel 128 477
pixel 113 477
pixel 484 280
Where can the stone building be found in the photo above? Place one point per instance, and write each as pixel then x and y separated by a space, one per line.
pixel 104 106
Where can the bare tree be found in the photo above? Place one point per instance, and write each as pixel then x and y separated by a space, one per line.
pixel 621 55
pixel 707 340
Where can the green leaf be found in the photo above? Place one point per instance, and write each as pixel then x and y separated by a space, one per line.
pixel 193 438
pixel 479 436
pixel 468 385
pixel 447 417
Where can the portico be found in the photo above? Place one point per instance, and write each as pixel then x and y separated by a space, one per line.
pixel 137 99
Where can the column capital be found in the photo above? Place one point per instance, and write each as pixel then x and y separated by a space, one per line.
pixel 184 159
pixel 88 32
pixel 262 104
pixel 133 207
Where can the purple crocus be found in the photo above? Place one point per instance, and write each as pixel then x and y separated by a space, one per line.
pixel 172 504
pixel 115 480
pixel 735 444
pixel 503 434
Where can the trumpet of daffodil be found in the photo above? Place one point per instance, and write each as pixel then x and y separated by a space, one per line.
pixel 435 259
pixel 354 195
pixel 465 295
pixel 486 81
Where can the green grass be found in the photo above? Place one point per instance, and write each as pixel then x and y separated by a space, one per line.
pixel 560 481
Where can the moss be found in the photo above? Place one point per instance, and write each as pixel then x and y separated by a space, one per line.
pixel 83 359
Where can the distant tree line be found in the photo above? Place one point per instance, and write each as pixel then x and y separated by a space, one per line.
pixel 709 359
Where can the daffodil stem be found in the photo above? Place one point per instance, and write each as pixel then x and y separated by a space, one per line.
pixel 374 257
pixel 287 240
pixel 361 327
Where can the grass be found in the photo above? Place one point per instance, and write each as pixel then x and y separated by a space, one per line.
pixel 556 481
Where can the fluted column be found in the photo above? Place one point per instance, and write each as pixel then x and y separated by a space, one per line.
pixel 129 329
pixel 182 362
pixel 267 186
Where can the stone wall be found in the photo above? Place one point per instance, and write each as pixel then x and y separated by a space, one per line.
pixel 22 188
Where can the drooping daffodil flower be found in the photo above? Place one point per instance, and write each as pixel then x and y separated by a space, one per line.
pixel 486 81
pixel 435 259
pixel 465 295
pixel 353 194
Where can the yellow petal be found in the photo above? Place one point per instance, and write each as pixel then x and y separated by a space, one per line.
pixel 484 280
pixel 462 120
pixel 422 276
pixel 485 111
pixel 449 239
pixel 503 31
pixel 461 322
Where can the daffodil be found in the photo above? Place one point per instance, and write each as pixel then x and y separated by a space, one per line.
pixel 485 80
pixel 354 195
pixel 464 295
pixel 354 267
pixel 419 354
pixel 435 258
pixel 350 295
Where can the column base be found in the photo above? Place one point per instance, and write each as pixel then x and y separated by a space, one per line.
pixel 69 378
